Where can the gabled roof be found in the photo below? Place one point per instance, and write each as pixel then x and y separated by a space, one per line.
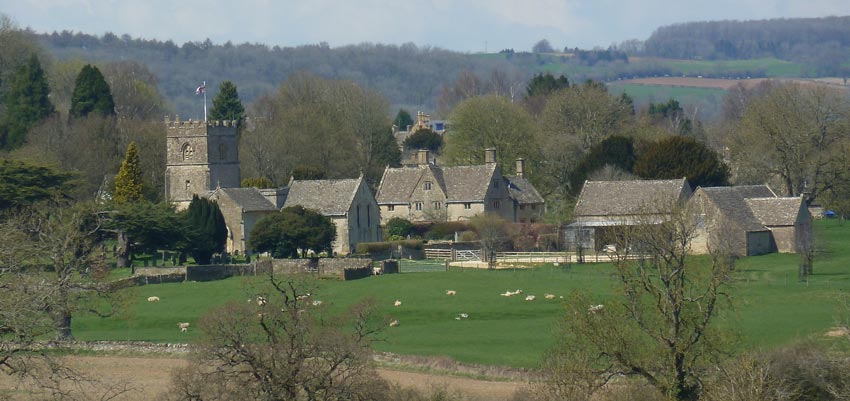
pixel 249 199
pixel 773 212
pixel 521 190
pixel 634 197
pixel 459 183
pixel 754 191
pixel 329 197
pixel 732 203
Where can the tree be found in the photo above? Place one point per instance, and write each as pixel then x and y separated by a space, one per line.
pixel 206 229
pixel 27 103
pixel 285 347
pixel 23 184
pixel 544 85
pixel 661 327
pixel 677 157
pixel 490 122
pixel 91 94
pixel 671 116
pixel 128 181
pixel 790 135
pixel 144 226
pixel 492 233
pixel 542 46
pixel 402 119
pixel 616 151
pixel 294 228
pixel 257 182
pixel 424 139
pixel 226 104
pixel 398 226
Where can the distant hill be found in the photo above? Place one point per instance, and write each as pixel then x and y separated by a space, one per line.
pixel 822 44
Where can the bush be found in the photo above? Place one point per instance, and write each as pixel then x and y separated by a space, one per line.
pixel 398 226
pixel 446 230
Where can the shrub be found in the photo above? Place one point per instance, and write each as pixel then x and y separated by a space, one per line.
pixel 446 229
pixel 398 226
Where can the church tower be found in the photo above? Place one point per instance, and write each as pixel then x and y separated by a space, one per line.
pixel 200 157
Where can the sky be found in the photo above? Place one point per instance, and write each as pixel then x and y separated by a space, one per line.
pixel 460 25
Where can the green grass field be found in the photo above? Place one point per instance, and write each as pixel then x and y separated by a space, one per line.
pixel 643 94
pixel 769 306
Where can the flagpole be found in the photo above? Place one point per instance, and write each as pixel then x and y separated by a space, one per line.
pixel 205 101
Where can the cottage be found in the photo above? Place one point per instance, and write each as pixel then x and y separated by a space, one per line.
pixel 347 202
pixel 428 192
pixel 603 206
pixel 242 209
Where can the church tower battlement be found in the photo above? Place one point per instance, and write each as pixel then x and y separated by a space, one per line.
pixel 200 156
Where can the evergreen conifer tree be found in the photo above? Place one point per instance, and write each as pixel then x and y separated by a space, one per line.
pixel 26 103
pixel 226 105
pixel 91 94
pixel 128 181
pixel 207 230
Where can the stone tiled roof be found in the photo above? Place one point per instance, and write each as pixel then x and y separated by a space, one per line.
pixel 775 211
pixel 634 197
pixel 249 199
pixel 521 191
pixel 467 183
pixel 459 183
pixel 754 191
pixel 329 197
pixel 731 203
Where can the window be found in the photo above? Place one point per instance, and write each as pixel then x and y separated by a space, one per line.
pixel 358 216
pixel 467 206
pixel 427 185
pixel 368 216
pixel 188 185
pixel 418 205
pixel 222 151
pixel 533 207
pixel 390 208
pixel 436 205
pixel 495 204
pixel 187 151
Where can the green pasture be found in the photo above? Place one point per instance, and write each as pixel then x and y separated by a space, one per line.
pixel 769 306
pixel 771 66
pixel 643 94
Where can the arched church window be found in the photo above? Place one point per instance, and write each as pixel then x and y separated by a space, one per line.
pixel 222 151
pixel 187 151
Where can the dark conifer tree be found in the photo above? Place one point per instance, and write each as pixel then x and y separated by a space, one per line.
pixel 91 94
pixel 26 103
pixel 226 105
pixel 207 230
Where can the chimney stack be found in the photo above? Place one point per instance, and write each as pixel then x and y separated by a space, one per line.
pixel 490 155
pixel 520 167
pixel 422 157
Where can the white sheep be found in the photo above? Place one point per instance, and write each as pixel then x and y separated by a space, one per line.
pixel 317 302
pixel 451 292
pixel 507 294
pixel 377 271
pixel 184 326
pixel 549 296
pixel 397 303
pixel 463 316
pixel 153 299
pixel 262 301
pixel 303 296
pixel 394 323
pixel 530 298
pixel 596 308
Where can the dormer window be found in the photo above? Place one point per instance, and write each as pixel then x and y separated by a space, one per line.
pixel 427 185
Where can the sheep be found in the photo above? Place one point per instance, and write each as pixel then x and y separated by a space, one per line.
pixel 262 301
pixel 530 298
pixel 397 303
pixel 463 315
pixel 549 296
pixel 507 294
pixel 153 299
pixel 377 271
pixel 317 302
pixel 184 326
pixel 451 292
pixel 303 296
pixel 596 309
pixel 394 323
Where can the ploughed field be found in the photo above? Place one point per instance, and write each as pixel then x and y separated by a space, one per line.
pixel 767 305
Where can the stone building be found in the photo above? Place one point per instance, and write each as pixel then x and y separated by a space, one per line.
pixel 347 202
pixel 200 156
pixel 242 209
pixel 428 192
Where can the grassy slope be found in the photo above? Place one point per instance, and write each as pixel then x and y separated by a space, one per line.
pixel 768 310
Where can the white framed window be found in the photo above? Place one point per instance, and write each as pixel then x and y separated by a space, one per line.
pixel 427 185
pixel 418 205
pixel 390 208
pixel 495 204
pixel 467 205
pixel 437 205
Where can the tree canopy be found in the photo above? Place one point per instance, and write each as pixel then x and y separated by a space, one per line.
pixel 128 181
pixel 677 157
pixel 226 104
pixel 545 84
pixel 617 151
pixel 207 232
pixel 91 94
pixel 424 139
pixel 402 119
pixel 23 184
pixel 294 228
pixel 27 103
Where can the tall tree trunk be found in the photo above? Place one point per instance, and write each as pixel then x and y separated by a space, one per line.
pixel 62 316
pixel 123 253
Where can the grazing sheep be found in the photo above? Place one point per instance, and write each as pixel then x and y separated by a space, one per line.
pixel 303 296
pixel 184 326
pixel 596 309
pixel 530 298
pixel 377 271
pixel 451 292
pixel 549 296
pixel 507 294
pixel 394 323
pixel 262 301
pixel 397 303
pixel 317 302
pixel 463 316
pixel 153 299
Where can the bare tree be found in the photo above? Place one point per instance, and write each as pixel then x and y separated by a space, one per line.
pixel 283 345
pixel 660 328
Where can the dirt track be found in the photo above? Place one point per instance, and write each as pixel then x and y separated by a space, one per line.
pixel 150 377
